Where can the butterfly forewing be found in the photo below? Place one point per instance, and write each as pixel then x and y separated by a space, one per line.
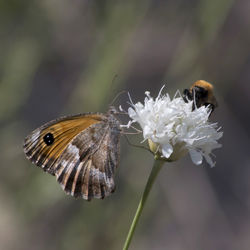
pixel 82 151
pixel 63 130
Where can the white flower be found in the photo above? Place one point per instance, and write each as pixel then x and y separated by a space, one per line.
pixel 174 129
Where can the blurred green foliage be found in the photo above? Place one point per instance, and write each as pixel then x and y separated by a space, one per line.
pixel 65 57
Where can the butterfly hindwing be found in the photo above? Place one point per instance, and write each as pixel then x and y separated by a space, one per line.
pixel 90 172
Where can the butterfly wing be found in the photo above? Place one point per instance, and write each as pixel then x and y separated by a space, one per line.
pixel 91 175
pixel 77 150
pixel 44 153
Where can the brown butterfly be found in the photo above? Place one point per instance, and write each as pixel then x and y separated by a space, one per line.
pixel 82 151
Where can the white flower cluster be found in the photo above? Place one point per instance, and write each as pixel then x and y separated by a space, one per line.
pixel 175 128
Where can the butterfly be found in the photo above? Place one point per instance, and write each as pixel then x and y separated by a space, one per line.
pixel 82 151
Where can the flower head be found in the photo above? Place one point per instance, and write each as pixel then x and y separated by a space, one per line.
pixel 173 129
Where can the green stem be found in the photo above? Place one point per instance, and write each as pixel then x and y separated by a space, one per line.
pixel 154 172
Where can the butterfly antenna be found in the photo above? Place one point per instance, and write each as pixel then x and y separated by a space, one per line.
pixel 121 92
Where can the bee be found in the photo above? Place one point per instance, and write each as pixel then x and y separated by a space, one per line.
pixel 201 92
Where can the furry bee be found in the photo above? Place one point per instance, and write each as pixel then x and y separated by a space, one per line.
pixel 202 94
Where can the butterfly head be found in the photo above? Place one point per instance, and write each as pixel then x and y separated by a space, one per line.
pixel 112 110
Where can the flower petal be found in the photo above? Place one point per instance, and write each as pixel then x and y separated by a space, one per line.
pixel 169 123
pixel 167 150
pixel 209 160
pixel 196 156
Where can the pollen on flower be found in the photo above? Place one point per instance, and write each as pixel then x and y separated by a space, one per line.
pixel 174 129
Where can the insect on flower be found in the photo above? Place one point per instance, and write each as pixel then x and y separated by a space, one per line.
pixel 82 151
pixel 202 93
pixel 173 127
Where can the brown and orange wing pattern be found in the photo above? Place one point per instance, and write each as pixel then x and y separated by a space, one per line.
pixel 77 150
pixel 90 173
pixel 45 144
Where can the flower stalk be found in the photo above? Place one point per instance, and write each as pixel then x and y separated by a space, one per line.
pixel 173 128
pixel 154 172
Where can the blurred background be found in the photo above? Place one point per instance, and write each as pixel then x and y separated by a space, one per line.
pixel 67 57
